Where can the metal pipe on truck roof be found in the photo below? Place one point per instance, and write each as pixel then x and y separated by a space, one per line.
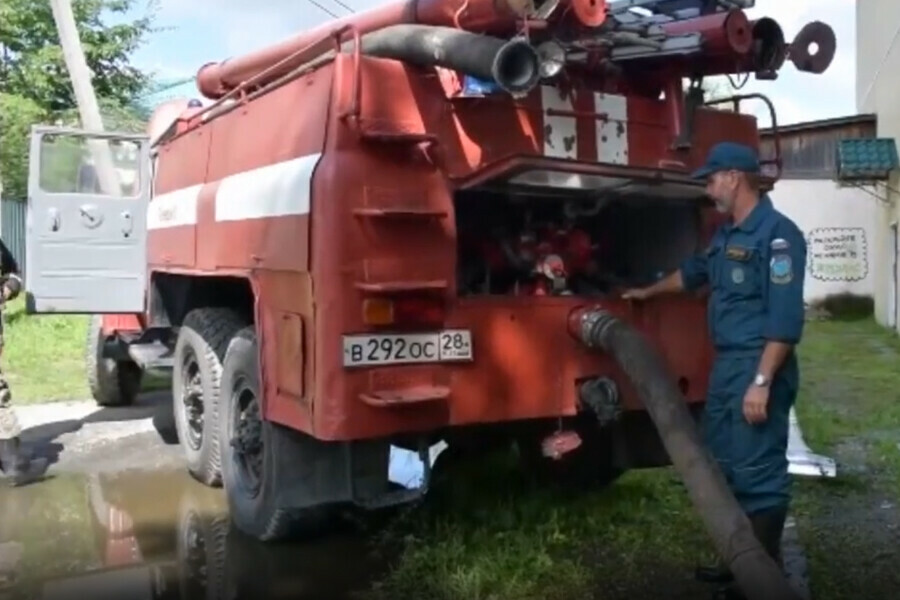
pixel 723 32
pixel 766 56
pixel 216 79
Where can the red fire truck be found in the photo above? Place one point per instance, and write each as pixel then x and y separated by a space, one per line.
pixel 373 234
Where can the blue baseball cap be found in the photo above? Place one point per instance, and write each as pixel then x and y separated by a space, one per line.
pixel 728 156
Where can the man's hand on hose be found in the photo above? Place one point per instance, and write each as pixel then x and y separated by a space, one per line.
pixel 667 285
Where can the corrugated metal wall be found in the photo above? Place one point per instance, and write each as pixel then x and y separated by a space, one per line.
pixel 12 229
pixel 808 150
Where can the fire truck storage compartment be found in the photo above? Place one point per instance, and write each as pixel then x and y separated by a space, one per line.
pixel 543 242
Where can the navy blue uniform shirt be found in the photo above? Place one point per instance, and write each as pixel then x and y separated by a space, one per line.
pixel 755 271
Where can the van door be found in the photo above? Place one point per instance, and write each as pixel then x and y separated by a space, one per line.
pixel 86 233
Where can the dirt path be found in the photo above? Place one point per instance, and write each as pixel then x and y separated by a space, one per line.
pixel 850 409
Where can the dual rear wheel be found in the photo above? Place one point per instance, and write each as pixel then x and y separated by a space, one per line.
pixel 217 397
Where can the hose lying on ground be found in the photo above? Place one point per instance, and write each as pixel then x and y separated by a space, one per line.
pixel 754 570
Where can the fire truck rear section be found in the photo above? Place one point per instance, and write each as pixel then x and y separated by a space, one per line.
pixel 381 247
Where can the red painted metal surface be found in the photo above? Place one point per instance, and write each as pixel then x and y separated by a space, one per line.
pixel 110 324
pixel 303 316
pixel 591 13
pixel 383 148
pixel 494 16
pixel 723 33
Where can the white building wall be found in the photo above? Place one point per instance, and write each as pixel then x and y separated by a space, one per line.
pixel 878 92
pixel 840 226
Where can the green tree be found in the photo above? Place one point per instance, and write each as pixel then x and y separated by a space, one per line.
pixel 34 82
pixel 17 113
pixel 31 59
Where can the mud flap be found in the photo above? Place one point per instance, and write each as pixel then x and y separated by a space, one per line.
pixel 801 459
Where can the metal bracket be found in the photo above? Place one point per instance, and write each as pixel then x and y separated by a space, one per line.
pixel 692 101
pixel 777 160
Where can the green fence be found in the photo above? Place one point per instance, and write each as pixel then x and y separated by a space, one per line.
pixel 12 228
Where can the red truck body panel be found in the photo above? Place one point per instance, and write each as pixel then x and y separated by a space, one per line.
pixel 284 191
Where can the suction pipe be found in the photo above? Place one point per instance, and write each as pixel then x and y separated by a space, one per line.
pixel 755 571
pixel 513 64
pixel 215 79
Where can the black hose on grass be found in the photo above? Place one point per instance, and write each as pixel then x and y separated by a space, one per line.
pixel 754 570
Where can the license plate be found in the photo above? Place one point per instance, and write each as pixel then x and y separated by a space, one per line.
pixel 453 345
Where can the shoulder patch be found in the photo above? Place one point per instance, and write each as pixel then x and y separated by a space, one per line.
pixel 779 244
pixel 781 269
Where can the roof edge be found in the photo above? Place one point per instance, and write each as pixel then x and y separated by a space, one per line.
pixel 823 123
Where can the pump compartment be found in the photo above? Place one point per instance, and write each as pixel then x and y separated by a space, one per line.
pixel 533 241
pixel 529 252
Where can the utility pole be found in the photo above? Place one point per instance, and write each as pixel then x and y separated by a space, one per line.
pixel 88 108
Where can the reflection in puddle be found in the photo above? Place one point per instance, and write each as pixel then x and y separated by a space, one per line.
pixel 157 535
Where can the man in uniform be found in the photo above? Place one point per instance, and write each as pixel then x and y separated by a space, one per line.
pixel 754 267
pixel 18 468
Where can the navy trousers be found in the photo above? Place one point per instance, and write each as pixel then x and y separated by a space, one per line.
pixel 752 457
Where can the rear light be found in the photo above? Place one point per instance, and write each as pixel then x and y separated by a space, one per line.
pixel 403 311
pixel 378 311
pixel 419 310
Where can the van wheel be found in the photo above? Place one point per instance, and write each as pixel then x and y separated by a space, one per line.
pixel 202 342
pixel 112 382
pixel 248 465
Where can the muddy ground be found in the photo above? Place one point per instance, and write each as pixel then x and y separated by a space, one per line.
pixel 120 518
pixel 851 409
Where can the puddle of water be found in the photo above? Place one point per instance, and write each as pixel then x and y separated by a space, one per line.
pixel 158 535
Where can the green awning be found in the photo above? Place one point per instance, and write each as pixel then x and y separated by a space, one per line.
pixel 866 159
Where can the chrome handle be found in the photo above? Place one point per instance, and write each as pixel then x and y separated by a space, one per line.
pixel 128 225
pixel 53 214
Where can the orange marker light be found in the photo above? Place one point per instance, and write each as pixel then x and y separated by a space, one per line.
pixel 378 311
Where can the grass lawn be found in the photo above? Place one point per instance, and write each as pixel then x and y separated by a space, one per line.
pixel 488 535
pixel 43 356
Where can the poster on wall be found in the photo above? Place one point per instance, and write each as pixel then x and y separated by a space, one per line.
pixel 837 254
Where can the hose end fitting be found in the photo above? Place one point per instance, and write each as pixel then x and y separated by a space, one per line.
pixel 517 67
pixel 589 325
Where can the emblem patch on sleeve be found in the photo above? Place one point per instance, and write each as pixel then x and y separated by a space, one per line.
pixel 781 269
pixel 779 244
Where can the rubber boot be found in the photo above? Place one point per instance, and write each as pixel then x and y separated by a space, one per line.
pixel 718 573
pixel 19 468
pixel 768 527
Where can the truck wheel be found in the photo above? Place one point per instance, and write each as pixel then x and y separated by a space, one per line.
pixel 112 382
pixel 202 341
pixel 202 546
pixel 249 443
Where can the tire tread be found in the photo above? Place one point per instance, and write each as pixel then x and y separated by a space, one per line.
pixel 215 326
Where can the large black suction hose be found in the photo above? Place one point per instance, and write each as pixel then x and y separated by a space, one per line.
pixel 513 64
pixel 755 571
